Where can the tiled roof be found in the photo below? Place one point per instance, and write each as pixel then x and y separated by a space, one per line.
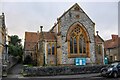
pixel 31 38
pixel 48 36
pixel 112 43
pixel 98 39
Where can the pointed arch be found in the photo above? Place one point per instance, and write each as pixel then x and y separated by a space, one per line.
pixel 78 41
pixel 73 26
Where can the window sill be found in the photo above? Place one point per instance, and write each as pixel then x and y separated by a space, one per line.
pixel 77 55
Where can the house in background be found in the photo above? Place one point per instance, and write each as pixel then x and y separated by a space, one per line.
pixel 112 48
pixel 31 39
pixel 99 49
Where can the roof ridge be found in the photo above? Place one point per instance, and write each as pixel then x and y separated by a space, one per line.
pixel 76 4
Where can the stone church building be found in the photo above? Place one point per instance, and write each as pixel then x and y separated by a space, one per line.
pixel 71 41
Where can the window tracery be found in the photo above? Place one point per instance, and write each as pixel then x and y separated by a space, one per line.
pixel 78 42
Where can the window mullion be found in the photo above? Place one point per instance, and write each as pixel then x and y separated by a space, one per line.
pixel 73 45
pixel 82 45
pixel 77 45
pixel 51 48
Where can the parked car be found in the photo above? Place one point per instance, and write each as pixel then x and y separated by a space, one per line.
pixel 112 70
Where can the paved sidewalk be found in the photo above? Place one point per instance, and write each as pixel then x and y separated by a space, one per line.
pixel 70 76
pixel 60 76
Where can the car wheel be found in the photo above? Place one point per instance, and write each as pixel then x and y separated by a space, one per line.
pixel 115 75
pixel 103 73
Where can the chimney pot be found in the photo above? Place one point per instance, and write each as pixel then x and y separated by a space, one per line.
pixel 114 37
pixel 97 32
pixel 41 28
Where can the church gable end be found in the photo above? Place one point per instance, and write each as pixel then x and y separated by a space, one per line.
pixel 71 17
pixel 75 13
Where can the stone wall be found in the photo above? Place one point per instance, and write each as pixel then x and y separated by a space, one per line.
pixel 60 70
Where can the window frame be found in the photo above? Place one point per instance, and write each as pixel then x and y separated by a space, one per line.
pixel 86 39
pixel 51 46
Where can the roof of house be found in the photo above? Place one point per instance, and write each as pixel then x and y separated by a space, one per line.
pixel 48 36
pixel 98 39
pixel 112 43
pixel 31 38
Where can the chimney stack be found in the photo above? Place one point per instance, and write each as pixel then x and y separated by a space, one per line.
pixel 97 32
pixel 114 37
pixel 41 28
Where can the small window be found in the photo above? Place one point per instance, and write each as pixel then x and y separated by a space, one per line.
pixel 53 49
pixel 49 49
pixel 118 65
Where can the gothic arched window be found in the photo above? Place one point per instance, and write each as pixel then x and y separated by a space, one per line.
pixel 78 42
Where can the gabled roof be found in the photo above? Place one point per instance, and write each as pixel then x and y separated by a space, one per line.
pixel 112 43
pixel 75 5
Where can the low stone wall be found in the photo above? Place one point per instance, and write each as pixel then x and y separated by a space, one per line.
pixel 60 70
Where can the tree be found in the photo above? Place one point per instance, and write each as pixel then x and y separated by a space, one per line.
pixel 15 47
pixel 15 40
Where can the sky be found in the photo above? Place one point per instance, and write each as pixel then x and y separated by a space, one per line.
pixel 29 16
